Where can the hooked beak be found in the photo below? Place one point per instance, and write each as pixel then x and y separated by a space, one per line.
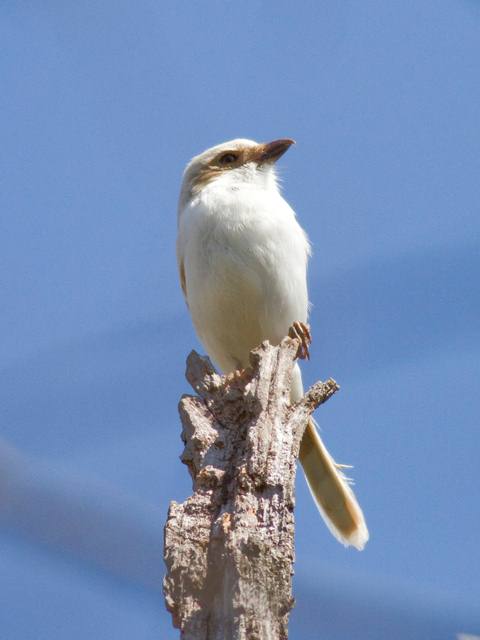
pixel 272 151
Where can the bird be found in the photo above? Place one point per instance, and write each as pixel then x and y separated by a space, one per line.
pixel 242 259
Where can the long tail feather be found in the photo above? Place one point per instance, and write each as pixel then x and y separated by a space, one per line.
pixel 331 491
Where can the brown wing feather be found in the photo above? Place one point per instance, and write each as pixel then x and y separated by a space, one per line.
pixel 183 280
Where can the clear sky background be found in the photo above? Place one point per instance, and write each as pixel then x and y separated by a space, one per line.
pixel 102 104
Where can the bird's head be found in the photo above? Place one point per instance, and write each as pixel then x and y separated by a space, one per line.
pixel 232 165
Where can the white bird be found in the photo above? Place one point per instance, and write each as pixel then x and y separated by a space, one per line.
pixel 242 258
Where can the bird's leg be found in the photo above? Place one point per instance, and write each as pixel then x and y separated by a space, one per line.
pixel 301 332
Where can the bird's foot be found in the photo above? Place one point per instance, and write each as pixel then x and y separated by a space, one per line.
pixel 239 375
pixel 301 332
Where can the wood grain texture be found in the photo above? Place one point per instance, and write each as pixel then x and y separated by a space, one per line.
pixel 229 548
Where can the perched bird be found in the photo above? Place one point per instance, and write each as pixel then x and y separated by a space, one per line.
pixel 242 259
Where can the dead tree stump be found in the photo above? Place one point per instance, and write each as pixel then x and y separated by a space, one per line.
pixel 229 548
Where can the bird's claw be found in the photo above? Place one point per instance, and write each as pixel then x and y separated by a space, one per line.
pixel 239 375
pixel 301 332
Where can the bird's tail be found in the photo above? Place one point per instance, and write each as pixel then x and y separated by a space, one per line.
pixel 331 491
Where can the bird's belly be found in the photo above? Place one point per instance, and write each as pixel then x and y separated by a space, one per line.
pixel 236 304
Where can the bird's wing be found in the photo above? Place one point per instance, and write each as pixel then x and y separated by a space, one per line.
pixel 183 281
pixel 181 263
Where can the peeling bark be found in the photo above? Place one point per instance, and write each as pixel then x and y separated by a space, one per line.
pixel 229 548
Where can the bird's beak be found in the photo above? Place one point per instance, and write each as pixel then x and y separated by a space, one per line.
pixel 271 151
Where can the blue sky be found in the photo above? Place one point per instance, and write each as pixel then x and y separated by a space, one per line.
pixel 102 105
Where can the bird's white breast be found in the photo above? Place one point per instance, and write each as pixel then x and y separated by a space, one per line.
pixel 245 259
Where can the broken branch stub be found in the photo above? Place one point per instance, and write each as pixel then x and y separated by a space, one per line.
pixel 229 547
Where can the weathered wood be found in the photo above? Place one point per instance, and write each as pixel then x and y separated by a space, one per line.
pixel 229 548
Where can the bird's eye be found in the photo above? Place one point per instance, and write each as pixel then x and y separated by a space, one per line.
pixel 228 158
